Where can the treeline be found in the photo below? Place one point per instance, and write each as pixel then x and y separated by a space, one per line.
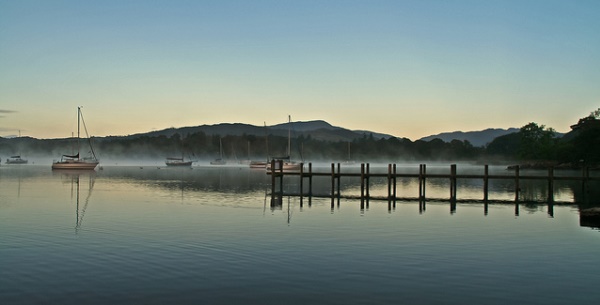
pixel 533 143
pixel 538 143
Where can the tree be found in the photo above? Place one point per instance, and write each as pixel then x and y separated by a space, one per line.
pixel 537 142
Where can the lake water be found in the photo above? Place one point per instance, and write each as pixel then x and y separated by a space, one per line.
pixel 209 235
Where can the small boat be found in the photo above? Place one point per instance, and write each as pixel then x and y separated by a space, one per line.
pixel 288 166
pixel 258 164
pixel 220 160
pixel 178 162
pixel 75 161
pixel 349 160
pixel 261 164
pixel 287 163
pixel 16 160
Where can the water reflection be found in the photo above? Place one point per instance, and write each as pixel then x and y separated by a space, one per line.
pixel 209 185
pixel 75 178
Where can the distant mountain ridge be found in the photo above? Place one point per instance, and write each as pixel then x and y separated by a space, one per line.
pixel 476 138
pixel 317 129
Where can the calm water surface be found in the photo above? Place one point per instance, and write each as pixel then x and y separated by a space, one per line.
pixel 209 235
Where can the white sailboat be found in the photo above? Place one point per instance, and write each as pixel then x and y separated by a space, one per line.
pixel 174 161
pixel 287 163
pixel 16 160
pixel 219 160
pixel 349 160
pixel 261 164
pixel 76 161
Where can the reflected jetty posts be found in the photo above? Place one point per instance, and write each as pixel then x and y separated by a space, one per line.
pixel 391 175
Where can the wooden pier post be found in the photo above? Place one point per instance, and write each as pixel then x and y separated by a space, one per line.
pixel 389 183
pixel 362 184
pixel 310 180
pixel 453 182
pixel 368 177
pixel 280 176
pixel 394 170
pixel 485 183
pixel 422 180
pixel 332 186
pixel 339 177
pixel 551 184
pixel 517 187
pixel 301 182
pixel 332 180
pixel 272 176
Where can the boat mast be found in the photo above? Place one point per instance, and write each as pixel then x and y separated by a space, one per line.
pixel 266 140
pixel 78 132
pixel 289 150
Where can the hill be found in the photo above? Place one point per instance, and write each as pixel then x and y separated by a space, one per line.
pixel 476 138
pixel 318 130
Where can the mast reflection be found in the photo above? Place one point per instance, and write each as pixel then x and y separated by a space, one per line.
pixel 75 178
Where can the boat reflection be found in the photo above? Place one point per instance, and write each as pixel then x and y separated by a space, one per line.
pixel 76 178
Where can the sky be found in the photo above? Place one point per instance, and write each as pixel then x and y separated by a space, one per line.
pixel 406 68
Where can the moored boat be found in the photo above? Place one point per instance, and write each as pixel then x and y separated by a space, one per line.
pixel 220 160
pixel 75 161
pixel 178 162
pixel 287 163
pixel 258 164
pixel 16 160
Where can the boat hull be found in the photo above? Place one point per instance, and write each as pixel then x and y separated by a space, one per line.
pixel 287 167
pixel 175 164
pixel 79 165
pixel 258 164
pixel 16 161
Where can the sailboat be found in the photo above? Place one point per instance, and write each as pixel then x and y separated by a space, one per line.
pixel 261 164
pixel 349 160
pixel 287 163
pixel 220 160
pixel 17 159
pixel 76 161
pixel 174 161
pixel 179 162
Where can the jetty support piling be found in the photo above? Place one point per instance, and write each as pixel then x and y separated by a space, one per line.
pixel 277 180
pixel 310 175
pixel 395 180
pixel 339 178
pixel 453 182
pixel 422 180
pixel 332 180
pixel 550 184
pixel 389 183
pixel 517 187
pixel 273 177
pixel 367 177
pixel 301 182
pixel 362 182
pixel 485 182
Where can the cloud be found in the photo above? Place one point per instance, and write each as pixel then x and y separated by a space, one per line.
pixel 2 111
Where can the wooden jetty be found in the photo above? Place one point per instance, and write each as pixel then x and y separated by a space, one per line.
pixel 391 175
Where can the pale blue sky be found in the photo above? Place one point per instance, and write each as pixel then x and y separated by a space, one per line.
pixel 407 68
